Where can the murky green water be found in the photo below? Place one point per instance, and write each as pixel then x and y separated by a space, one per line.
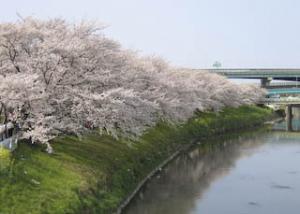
pixel 253 173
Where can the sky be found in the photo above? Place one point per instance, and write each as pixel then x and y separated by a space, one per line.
pixel 187 33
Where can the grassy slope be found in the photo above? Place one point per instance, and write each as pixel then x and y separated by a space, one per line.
pixel 94 174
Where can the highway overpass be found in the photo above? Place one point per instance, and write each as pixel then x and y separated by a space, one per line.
pixel 257 73
pixel 286 84
pixel 283 91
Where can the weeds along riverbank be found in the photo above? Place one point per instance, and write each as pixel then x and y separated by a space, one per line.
pixel 96 173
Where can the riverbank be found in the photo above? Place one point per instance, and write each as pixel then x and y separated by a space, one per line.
pixel 94 174
pixel 224 171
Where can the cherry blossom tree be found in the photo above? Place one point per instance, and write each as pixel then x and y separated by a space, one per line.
pixel 59 78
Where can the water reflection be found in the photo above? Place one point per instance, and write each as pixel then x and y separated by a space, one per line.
pixel 282 126
pixel 250 174
pixel 292 124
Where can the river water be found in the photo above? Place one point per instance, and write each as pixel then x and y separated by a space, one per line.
pixel 256 172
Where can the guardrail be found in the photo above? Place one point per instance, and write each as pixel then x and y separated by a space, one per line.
pixel 256 73
pixel 283 84
pixel 284 91
pixel 279 101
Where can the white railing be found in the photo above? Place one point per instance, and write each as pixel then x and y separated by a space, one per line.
pixel 4 127
pixel 257 72
pixel 9 143
pixel 295 100
pixel 276 84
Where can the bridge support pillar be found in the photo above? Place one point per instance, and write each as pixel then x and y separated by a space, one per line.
pixel 289 117
pixel 264 82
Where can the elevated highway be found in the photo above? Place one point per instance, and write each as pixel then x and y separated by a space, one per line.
pixel 286 94
pixel 283 91
pixel 289 84
pixel 280 90
pixel 282 101
pixel 256 73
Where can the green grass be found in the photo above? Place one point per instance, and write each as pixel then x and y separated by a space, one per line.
pixel 94 174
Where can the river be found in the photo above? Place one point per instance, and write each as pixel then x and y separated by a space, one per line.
pixel 256 172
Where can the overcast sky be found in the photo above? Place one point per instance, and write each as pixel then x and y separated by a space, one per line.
pixel 190 33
